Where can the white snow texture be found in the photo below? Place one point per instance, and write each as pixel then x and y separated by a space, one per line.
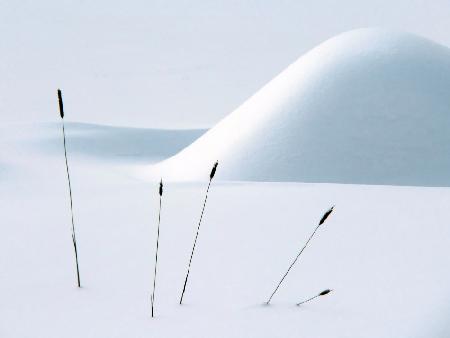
pixel 369 106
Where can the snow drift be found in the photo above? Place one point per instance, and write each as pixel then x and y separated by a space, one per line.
pixel 370 106
pixel 115 145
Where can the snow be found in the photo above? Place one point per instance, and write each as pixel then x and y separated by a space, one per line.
pixel 369 106
pixel 384 252
pixel 115 145
pixel 160 64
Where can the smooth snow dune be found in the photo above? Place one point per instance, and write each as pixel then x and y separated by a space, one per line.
pixel 370 106
pixel 114 144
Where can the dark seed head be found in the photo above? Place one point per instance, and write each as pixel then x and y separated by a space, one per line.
pixel 213 171
pixel 160 188
pixel 61 107
pixel 325 215
pixel 325 292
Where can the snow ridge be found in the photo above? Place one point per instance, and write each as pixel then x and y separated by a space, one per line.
pixel 370 106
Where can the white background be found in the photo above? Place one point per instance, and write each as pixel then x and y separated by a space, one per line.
pixel 171 64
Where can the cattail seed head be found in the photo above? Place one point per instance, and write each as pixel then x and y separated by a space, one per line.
pixel 213 171
pixel 325 215
pixel 160 188
pixel 325 292
pixel 61 107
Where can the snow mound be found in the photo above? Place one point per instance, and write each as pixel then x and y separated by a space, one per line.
pixel 370 106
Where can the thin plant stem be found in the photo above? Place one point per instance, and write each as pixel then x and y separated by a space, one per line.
pixel 195 243
pixel 323 293
pixel 308 300
pixel 74 240
pixel 156 255
pixel 322 220
pixel 292 264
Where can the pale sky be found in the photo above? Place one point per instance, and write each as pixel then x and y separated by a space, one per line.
pixel 172 64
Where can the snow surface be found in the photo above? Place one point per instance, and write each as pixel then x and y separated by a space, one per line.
pixel 116 145
pixel 172 64
pixel 370 106
pixel 384 252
